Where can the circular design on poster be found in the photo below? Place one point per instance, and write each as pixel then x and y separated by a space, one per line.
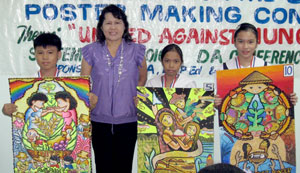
pixel 255 109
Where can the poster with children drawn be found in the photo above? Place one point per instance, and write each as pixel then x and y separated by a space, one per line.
pixel 51 127
pixel 257 125
pixel 175 129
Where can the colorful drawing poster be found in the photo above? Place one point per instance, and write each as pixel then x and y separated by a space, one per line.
pixel 175 129
pixel 257 125
pixel 51 128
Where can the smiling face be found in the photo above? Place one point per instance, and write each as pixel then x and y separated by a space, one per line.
pixel 171 63
pixel 64 104
pixel 191 130
pixel 113 28
pixel 180 103
pixel 255 88
pixel 167 120
pixel 47 57
pixel 37 104
pixel 245 43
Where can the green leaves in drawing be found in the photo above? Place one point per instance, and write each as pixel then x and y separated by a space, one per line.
pixel 148 162
pixel 255 119
pixel 240 125
pixel 48 86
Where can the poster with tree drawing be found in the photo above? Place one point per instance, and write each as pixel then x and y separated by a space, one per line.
pixel 175 129
pixel 257 125
pixel 51 127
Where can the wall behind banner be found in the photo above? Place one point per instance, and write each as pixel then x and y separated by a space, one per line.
pixel 204 30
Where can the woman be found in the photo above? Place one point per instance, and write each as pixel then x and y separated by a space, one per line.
pixel 171 59
pixel 117 66
pixel 246 41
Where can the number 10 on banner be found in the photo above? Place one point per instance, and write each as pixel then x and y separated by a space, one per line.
pixel 288 70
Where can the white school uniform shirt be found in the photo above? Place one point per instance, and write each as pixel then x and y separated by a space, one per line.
pixel 182 81
pixel 58 73
pixel 234 64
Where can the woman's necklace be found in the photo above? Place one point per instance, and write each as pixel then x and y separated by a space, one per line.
pixel 120 65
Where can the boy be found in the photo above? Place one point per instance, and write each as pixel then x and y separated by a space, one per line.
pixel 47 50
pixel 47 47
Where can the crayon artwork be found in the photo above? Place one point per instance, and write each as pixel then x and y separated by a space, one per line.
pixel 257 125
pixel 51 127
pixel 175 129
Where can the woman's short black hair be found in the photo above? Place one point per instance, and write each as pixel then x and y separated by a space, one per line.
pixel 117 13
pixel 171 47
pixel 246 27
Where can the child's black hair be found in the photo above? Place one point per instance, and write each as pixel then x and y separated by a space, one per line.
pixel 47 39
pixel 55 158
pixel 68 159
pixel 171 47
pixel 65 95
pixel 35 97
pixel 246 27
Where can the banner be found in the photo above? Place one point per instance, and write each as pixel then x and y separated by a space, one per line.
pixel 203 29
pixel 51 127
pixel 257 119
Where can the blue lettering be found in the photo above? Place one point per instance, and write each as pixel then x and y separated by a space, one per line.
pixel 188 13
pixel 292 13
pixel 210 11
pixel 67 12
pixel 195 71
pixel 54 9
pixel 172 12
pixel 284 15
pixel 182 69
pixel 201 14
pixel 84 9
pixel 235 17
pixel 150 68
pixel 32 9
pixel 158 9
pixel 212 70
pixel 256 13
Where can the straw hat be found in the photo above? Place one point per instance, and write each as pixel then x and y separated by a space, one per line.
pixel 22 155
pixel 83 154
pixel 84 118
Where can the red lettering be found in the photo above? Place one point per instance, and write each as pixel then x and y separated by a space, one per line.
pixel 193 34
pixel 87 35
pixel 225 39
pixel 210 37
pixel 266 39
pixel 179 36
pixel 166 34
pixel 289 38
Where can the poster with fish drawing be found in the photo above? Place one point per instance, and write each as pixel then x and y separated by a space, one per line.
pixel 257 125
pixel 51 127
pixel 175 129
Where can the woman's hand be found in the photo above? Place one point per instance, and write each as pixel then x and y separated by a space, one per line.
pixel 93 100
pixel 9 109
